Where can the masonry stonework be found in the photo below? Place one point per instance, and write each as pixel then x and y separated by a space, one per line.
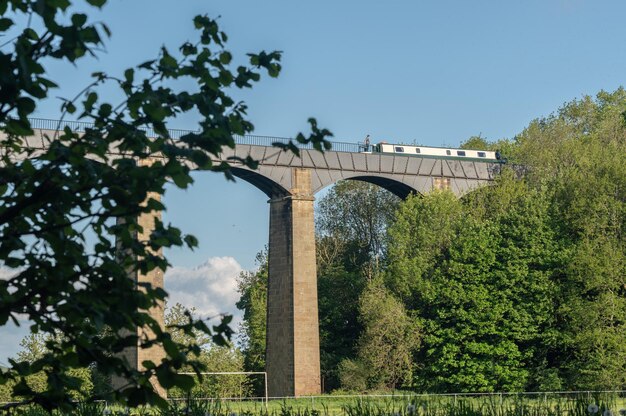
pixel 292 356
pixel 135 355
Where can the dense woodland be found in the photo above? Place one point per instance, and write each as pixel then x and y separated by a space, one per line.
pixel 516 286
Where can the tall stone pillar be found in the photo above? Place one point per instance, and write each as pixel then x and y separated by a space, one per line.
pixel 136 355
pixel 293 352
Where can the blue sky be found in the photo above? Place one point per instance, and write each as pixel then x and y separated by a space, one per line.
pixel 436 72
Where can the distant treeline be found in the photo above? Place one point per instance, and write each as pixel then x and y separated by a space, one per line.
pixel 516 286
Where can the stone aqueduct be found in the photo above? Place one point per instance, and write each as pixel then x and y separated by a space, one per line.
pixel 290 182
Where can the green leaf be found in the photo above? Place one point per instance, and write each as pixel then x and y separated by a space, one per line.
pixel 69 107
pixel 46 82
pixel 105 110
pixel 147 64
pixel 61 4
pixel 26 105
pixel 129 75
pixel 225 57
pixel 97 3
pixel 182 180
pixel 79 19
pixel 184 381
pixel 31 34
pixel 188 49
pixel 92 97
pixel 5 23
pixel 191 241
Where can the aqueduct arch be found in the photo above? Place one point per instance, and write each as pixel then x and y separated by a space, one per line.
pixel 399 189
pixel 265 184
pixel 292 354
pixel 292 359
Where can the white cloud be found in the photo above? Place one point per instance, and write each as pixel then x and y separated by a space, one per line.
pixel 211 288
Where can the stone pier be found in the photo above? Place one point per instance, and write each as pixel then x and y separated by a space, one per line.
pixel 293 353
pixel 136 355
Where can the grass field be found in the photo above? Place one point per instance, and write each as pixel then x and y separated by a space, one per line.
pixel 577 403
pixel 516 404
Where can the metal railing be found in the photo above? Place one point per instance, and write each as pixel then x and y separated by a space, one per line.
pixel 249 139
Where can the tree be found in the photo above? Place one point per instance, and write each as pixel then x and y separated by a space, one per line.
pixel 214 358
pixel 223 359
pixel 100 181
pixel 252 287
pixel 177 317
pixel 530 259
pixel 422 231
pixel 577 154
pixel 34 348
pixel 339 291
pixel 386 345
pixel 477 143
pixel 520 285
pixel 478 275
pixel 351 225
pixel 356 214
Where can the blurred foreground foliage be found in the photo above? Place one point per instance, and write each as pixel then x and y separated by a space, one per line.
pixel 69 228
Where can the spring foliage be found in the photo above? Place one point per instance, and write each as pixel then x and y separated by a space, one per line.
pixel 520 285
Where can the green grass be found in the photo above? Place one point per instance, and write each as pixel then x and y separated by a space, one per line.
pixel 411 405
pixel 444 405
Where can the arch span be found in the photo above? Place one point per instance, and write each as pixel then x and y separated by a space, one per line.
pixel 399 189
pixel 268 186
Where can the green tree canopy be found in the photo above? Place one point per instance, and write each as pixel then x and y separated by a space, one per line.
pixel 356 214
pixel 214 358
pixel 252 287
pixel 520 285
pixel 578 155
pixel 478 275
pixel 386 346
pixel 351 226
